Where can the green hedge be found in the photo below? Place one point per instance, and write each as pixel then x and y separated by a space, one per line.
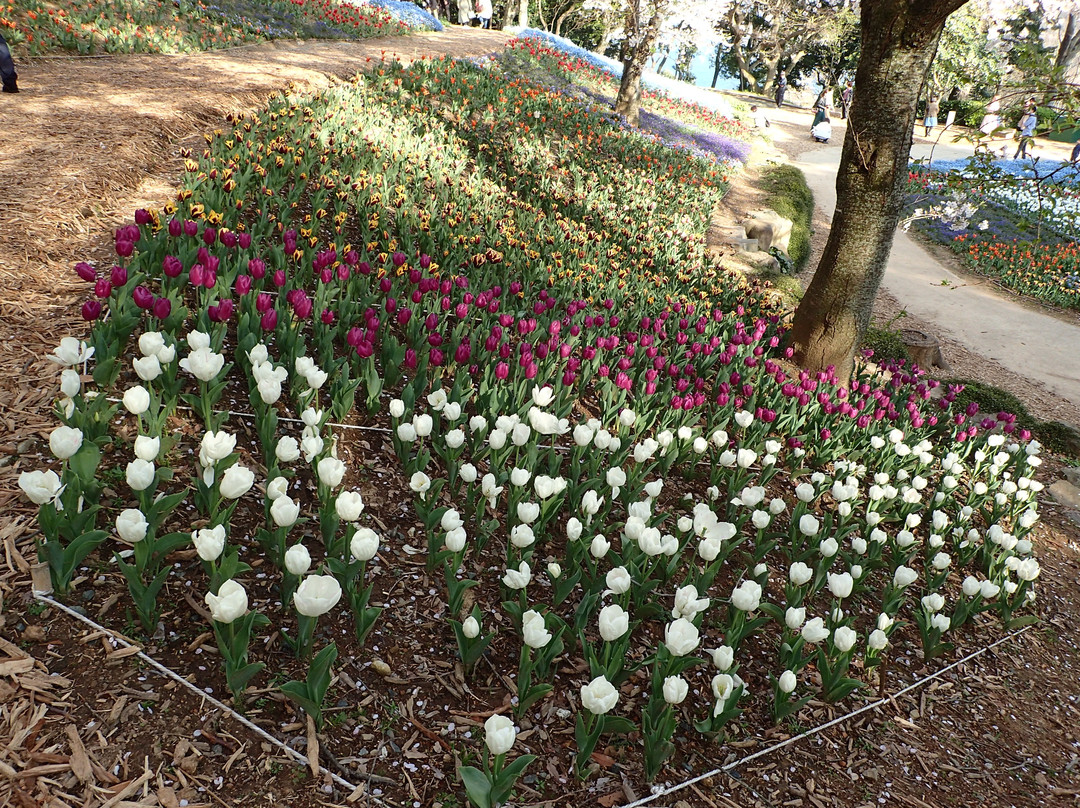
pixel 788 194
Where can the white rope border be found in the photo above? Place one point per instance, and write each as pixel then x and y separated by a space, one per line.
pixel 840 719
pixel 169 673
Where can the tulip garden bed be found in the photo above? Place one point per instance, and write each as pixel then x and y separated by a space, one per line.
pixel 427 382
pixel 35 27
pixel 1006 239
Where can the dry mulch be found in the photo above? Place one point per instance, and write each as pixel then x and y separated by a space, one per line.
pixel 90 140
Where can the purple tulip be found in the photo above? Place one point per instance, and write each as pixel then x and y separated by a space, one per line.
pixel 352 257
pixel 103 288
pixel 244 239
pixel 257 268
pixel 228 238
pixel 425 260
pixel 303 308
pixel 191 228
pixel 209 236
pixel 142 297
pixel 125 248
pixel 142 216
pixel 399 258
pixel 86 272
pixel 162 307
pixel 411 360
pixel 269 320
pixel 91 310
pixel 365 349
pixel 327 317
pixel 279 278
pixel 197 275
pixel 263 302
pixel 403 316
pixel 436 358
pixel 175 227
pixel 243 285
pixel 364 268
pixel 118 276
pixel 171 266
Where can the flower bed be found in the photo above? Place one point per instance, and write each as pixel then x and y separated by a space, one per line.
pixel 155 26
pixel 1007 238
pixel 604 466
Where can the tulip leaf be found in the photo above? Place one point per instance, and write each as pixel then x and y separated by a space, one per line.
pixel 617 724
pixel 477 786
pixel 85 462
pixel 504 785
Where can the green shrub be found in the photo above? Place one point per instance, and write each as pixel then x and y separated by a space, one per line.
pixel 968 113
pixel 885 343
pixel 788 194
pixel 1058 437
pixel 992 400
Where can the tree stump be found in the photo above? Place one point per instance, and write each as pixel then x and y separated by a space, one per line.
pixel 925 349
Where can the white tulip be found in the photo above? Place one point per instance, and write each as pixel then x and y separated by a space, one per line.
pixel 455 539
pixel 140 474
pixel 522 536
pixel 277 487
pixel 681 637
pixel 297 559
pixel 229 603
pixel 70 382
pixel 814 630
pixel 209 542
pixel 284 511
pixel 877 640
pixel 723 657
pixel 420 483
pixel 844 639
pixel 499 734
pixel 468 473
pixel 146 368
pixel 287 450
pixel 787 681
pixel 800 573
pixel 236 481
pixel 841 585
pixel 331 471
pixel 364 544
pixel 65 441
pixel 904 577
pixel 470 627
pixel 423 424
pixel 397 408
pixel 614 622
pixel 747 596
pixel 203 364
pixel 147 448
pixel 136 400
pixel 533 629
pixel 131 525
pixel 794 617
pixel 618 580
pixel 316 595
pixel 675 689
pixel 349 505
pixel 519 578
pixel 599 696
pixel 599 546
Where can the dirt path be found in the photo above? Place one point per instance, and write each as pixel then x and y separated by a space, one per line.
pixel 87 141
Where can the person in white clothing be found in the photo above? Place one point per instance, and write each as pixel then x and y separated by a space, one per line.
pixel 483 12
pixel 822 131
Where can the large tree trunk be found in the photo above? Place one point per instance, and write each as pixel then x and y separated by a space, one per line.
pixel 523 14
pixel 717 64
pixel 628 101
pixel 1068 55
pixel 899 40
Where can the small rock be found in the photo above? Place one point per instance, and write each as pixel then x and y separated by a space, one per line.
pixel 7 460
pixel 380 667
pixel 1072 474
pixel 1073 516
pixel 1066 494
pixel 34 634
pixel 79 610
pixel 88 595
pixel 26 446
pixel 217 749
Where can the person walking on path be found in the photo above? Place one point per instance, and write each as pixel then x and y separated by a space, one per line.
pixel 781 88
pixel 930 121
pixel 845 100
pixel 992 119
pixel 483 12
pixel 1026 131
pixel 7 68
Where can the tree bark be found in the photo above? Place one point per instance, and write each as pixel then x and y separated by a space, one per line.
pixel 899 40
pixel 523 14
pixel 628 101
pixel 717 64
pixel 1068 55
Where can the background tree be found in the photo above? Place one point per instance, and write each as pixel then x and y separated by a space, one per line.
pixel 899 40
pixel 641 27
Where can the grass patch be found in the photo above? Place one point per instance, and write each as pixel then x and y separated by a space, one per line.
pixel 788 194
pixel 886 344
pixel 992 400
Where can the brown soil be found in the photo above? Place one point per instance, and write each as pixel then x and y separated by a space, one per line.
pixel 81 724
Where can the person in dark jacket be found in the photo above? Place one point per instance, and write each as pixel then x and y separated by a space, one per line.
pixel 821 107
pixel 7 68
pixel 781 88
pixel 845 100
